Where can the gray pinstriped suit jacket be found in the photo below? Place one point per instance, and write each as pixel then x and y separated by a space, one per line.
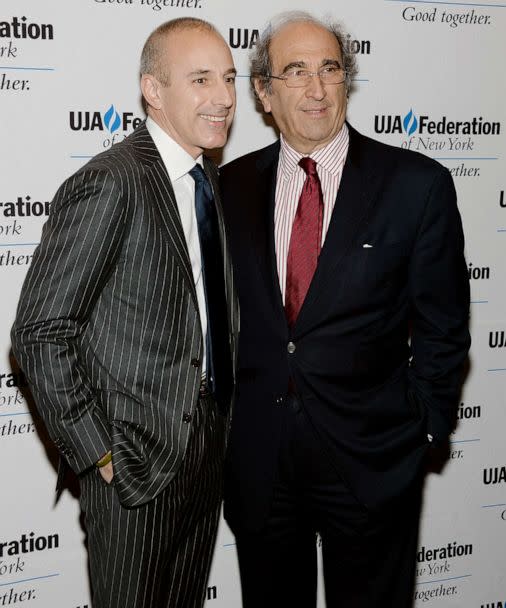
pixel 107 329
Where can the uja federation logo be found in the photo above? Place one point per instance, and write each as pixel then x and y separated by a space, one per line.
pixel 111 120
pixel 425 125
pixel 410 123
pixel 396 124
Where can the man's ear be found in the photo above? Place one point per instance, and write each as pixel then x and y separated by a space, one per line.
pixel 262 94
pixel 150 88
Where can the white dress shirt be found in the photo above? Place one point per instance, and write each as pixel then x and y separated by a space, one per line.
pixel 178 164
pixel 290 180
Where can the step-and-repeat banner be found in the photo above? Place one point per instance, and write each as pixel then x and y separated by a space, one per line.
pixel 431 79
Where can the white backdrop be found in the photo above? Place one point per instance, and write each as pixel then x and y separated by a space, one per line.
pixel 69 89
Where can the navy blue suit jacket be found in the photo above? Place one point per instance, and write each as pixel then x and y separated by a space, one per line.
pixel 381 338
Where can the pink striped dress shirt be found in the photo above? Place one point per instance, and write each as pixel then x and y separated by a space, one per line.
pixel 290 179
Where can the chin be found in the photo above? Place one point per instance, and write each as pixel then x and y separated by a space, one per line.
pixel 319 136
pixel 215 142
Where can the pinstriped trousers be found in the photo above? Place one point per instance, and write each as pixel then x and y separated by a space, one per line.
pixel 158 555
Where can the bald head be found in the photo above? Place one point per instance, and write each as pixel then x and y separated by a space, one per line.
pixel 153 56
pixel 188 83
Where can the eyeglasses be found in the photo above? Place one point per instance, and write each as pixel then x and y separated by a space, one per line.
pixel 297 77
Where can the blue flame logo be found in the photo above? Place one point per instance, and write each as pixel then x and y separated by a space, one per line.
pixel 410 122
pixel 112 119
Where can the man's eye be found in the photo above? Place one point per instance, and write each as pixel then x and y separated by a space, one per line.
pixel 200 80
pixel 331 69
pixel 230 79
pixel 296 73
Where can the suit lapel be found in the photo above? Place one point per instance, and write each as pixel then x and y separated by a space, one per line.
pixel 233 312
pixel 161 193
pixel 262 226
pixel 357 191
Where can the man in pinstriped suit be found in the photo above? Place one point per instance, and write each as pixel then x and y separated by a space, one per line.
pixel 128 344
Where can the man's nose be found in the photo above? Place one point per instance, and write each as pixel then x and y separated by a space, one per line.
pixel 224 94
pixel 315 87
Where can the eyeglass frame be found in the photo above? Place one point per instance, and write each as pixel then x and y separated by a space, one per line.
pixel 308 75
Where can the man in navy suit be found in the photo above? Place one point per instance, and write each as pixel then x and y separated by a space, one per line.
pixel 348 258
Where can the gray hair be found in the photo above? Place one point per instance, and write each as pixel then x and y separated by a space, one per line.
pixel 152 52
pixel 260 61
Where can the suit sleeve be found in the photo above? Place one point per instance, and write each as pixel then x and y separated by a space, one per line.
pixel 439 290
pixel 79 246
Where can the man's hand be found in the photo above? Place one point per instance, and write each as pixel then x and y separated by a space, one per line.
pixel 105 467
pixel 107 472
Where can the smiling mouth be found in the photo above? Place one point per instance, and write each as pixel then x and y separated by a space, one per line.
pixel 211 118
pixel 315 111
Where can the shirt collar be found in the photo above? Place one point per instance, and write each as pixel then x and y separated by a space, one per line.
pixel 175 158
pixel 331 157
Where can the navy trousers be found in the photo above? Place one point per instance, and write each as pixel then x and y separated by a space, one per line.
pixel 368 559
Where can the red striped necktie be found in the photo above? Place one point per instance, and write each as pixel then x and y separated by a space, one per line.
pixel 305 241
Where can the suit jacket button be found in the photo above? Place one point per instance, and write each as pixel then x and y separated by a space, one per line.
pixel 195 362
pixel 279 400
pixel 290 348
pixel 187 417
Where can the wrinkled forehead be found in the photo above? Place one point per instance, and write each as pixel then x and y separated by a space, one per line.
pixel 304 42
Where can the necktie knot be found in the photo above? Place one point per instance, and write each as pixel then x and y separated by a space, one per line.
pixel 198 173
pixel 308 165
pixel 200 179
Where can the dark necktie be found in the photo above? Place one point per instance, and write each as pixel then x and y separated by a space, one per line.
pixel 219 361
pixel 305 241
